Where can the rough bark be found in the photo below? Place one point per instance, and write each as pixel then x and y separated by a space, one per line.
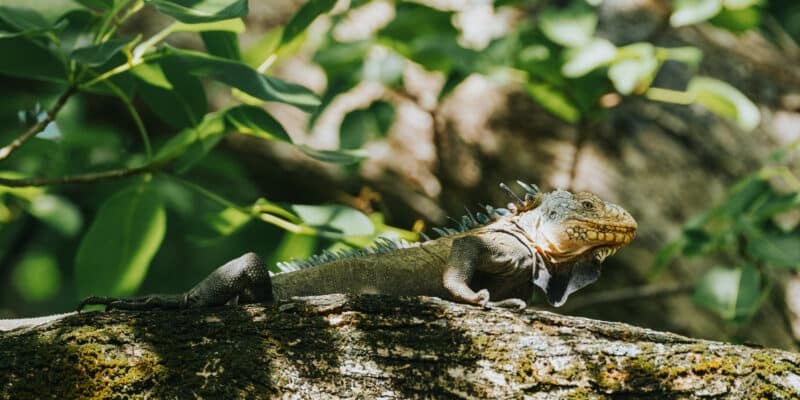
pixel 374 346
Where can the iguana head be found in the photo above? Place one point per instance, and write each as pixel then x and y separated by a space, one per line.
pixel 573 233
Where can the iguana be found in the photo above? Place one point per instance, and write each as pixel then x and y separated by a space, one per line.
pixel 554 240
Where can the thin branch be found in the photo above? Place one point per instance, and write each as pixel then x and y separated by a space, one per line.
pixel 39 126
pixel 83 178
pixel 627 294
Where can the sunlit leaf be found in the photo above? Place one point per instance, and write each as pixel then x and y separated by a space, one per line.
pixel 554 101
pixel 687 12
pixel 740 4
pixel 343 157
pixel 57 212
pixel 580 61
pixel 733 293
pixel 256 121
pixel 304 17
pixel 99 54
pixel 572 26
pixel 246 79
pixel 725 100
pixel 115 253
pixel 36 277
pixel 778 249
pixel 235 25
pixel 226 221
pixel 192 144
pixel 636 71
pixel 738 20
pixel 335 220
pixel 688 55
pixel 198 11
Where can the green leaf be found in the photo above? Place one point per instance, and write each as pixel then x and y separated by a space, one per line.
pixel 222 44
pixel 234 25
pixel 725 100
pixel 636 71
pixel 37 276
pixel 581 61
pixel 30 61
pixel 304 17
pixel 263 49
pixel 99 54
pixel 740 4
pixel 197 11
pixel 743 195
pixel 115 253
pixel 362 125
pixel 57 212
pixel 252 120
pixel 192 144
pixel 335 221
pixel 246 79
pixel 24 20
pixel 738 20
pixel 96 4
pixel 226 221
pixel 776 204
pixel 571 27
pixel 343 157
pixel 177 98
pixel 688 12
pixel 688 55
pixel 778 249
pixel 734 294
pixel 554 101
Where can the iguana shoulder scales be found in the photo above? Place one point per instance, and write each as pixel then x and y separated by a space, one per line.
pixel 554 240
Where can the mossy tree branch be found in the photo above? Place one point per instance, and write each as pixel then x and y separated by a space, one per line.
pixel 374 346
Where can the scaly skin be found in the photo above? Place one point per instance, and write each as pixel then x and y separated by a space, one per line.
pixel 553 240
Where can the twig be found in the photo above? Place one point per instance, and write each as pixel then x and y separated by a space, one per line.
pixel 39 126
pixel 631 293
pixel 83 178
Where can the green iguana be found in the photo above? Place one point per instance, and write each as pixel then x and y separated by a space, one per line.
pixel 554 240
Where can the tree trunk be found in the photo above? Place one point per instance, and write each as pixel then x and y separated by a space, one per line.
pixel 376 346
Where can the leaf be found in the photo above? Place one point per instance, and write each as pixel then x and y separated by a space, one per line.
pixel 246 79
pixel 688 12
pixel 252 120
pixel 665 255
pixel 725 100
pixel 743 195
pixel 37 276
pixel 96 4
pixel 343 157
pixel 24 20
pixel 776 204
pixel 740 4
pixel 363 125
pixel 636 71
pixel 738 20
pixel 99 54
pixel 197 11
pixel 192 144
pixel 554 101
pixel 182 103
pixel 30 61
pixel 57 212
pixel 571 27
pixel 304 17
pixel 222 44
pixel 778 249
pixel 234 25
pixel 688 55
pixel 580 61
pixel 115 253
pixel 226 221
pixel 335 221
pixel 731 293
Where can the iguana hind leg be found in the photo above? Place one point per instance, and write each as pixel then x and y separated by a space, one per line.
pixel 244 279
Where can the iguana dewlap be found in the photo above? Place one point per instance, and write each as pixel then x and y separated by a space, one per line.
pixel 554 240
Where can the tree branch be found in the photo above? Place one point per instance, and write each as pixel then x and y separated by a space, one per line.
pixel 39 126
pixel 83 178
pixel 377 346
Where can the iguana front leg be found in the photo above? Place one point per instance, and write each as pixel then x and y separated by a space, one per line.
pixel 244 279
pixel 469 254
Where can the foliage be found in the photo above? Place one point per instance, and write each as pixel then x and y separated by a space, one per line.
pixel 163 195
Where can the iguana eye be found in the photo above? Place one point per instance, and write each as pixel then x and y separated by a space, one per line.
pixel 587 205
pixel 553 214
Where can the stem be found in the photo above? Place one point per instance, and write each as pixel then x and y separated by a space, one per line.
pixel 136 118
pixel 101 33
pixel 39 126
pixel 133 9
pixel 83 178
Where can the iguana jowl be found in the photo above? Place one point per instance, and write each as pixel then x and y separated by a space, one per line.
pixel 554 240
